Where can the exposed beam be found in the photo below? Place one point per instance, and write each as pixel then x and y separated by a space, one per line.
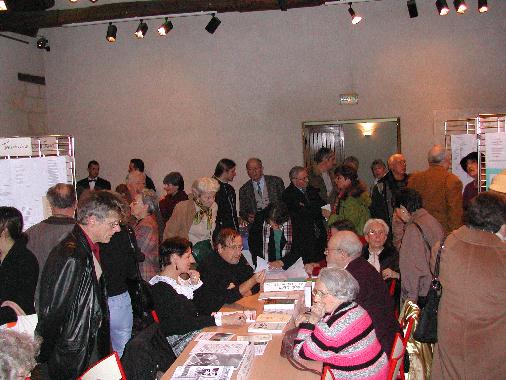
pixel 29 21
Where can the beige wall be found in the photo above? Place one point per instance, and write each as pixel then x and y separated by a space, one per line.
pixel 22 105
pixel 184 101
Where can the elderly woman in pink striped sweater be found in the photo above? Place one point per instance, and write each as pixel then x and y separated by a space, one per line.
pixel 339 332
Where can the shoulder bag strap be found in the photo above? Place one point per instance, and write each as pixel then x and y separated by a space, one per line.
pixel 438 258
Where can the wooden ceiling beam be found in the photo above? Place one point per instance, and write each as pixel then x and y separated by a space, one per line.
pixel 20 21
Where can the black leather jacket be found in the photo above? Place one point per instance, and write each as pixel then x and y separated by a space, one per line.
pixel 73 313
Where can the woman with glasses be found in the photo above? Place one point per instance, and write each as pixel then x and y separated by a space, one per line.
pixel 19 268
pixel 382 255
pixel 226 274
pixel 173 292
pixel 339 332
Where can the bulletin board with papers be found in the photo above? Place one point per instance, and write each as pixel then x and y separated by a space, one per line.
pixel 29 166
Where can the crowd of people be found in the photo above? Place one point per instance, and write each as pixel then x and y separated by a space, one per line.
pixel 75 270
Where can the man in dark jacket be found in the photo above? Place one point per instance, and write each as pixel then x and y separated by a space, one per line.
pixel 93 181
pixel 304 206
pixel 226 274
pixel 344 251
pixel 384 192
pixel 73 314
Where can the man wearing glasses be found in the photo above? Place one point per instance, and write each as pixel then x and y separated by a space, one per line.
pixel 73 313
pixel 344 251
pixel 226 274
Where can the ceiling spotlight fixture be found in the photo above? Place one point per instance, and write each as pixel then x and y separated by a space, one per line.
pixel 213 24
pixel 165 28
pixel 111 32
pixel 142 29
pixel 3 5
pixel 355 19
pixel 43 43
pixel 482 6
pixel 460 6
pixel 442 7
pixel 283 5
pixel 93 1
pixel 73 1
pixel 413 11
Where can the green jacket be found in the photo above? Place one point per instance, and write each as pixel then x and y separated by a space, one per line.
pixel 355 209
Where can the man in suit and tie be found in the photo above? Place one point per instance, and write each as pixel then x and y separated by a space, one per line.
pixel 304 206
pixel 259 191
pixel 93 181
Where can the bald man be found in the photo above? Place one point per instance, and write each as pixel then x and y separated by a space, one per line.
pixel 344 251
pixel 441 190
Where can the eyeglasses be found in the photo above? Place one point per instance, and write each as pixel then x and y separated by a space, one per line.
pixel 376 232
pixel 332 250
pixel 235 247
pixel 303 178
pixel 319 293
pixel 114 224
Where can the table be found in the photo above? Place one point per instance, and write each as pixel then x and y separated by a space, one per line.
pixel 268 366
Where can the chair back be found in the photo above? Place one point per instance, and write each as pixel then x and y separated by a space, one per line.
pixel 396 359
pixel 327 373
pixel 108 368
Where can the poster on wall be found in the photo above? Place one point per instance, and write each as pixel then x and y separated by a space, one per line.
pixel 24 183
pixel 495 154
pixel 462 145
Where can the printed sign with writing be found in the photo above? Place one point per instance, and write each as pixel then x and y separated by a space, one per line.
pixel 16 146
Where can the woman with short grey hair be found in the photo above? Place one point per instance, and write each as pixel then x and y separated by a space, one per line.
pixel 17 354
pixel 383 256
pixel 340 284
pixel 195 218
pixel 338 328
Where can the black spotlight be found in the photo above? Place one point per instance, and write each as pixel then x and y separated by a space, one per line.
pixel 142 29
pixel 43 43
pixel 482 6
pixel 111 32
pixel 442 7
pixel 355 19
pixel 165 28
pixel 460 6
pixel 413 11
pixel 283 5
pixel 213 24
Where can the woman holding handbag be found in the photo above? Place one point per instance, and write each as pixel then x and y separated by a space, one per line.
pixel 417 231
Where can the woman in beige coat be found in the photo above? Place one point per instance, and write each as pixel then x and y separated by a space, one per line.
pixel 195 218
pixel 472 311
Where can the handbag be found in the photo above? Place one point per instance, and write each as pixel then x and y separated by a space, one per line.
pixel 139 291
pixel 287 345
pixel 426 330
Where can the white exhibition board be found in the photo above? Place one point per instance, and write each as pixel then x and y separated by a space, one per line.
pixel 462 145
pixel 24 183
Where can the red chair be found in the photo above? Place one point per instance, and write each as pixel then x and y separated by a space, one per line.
pixel 327 373
pixel 396 360
pixel 109 368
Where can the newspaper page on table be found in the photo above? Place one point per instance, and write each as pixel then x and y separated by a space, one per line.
pixel 259 342
pixel 203 373
pixel 210 353
pixel 214 336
